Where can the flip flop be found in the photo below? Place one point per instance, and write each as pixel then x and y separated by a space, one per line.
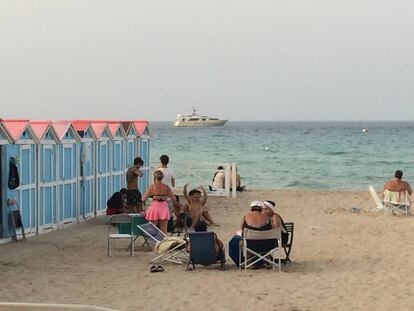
pixel 160 269
pixel 153 269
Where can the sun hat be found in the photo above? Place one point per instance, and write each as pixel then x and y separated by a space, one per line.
pixel 256 203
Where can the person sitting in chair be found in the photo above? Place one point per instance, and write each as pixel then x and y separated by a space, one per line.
pixel 218 179
pixel 179 218
pixel 196 205
pixel 397 185
pixel 117 203
pixel 276 219
pixel 201 226
pixel 255 219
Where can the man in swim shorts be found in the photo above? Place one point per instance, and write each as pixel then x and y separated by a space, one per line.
pixel 196 206
pixel 134 195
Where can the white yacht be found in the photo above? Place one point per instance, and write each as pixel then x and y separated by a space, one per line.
pixel 193 119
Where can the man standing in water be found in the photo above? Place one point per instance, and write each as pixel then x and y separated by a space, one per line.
pixel 134 195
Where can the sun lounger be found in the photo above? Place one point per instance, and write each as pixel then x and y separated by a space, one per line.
pixel 153 235
pixel 379 204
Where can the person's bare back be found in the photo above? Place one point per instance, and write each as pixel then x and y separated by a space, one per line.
pixel 397 184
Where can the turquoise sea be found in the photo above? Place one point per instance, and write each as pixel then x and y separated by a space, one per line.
pixel 291 155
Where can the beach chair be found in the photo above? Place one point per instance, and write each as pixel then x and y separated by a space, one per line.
pixel 261 246
pixel 153 235
pixel 178 225
pixel 120 219
pixel 203 251
pixel 397 201
pixel 380 206
pixel 17 226
pixel 287 245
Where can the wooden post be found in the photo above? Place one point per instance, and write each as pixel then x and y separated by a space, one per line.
pixel 227 179
pixel 234 180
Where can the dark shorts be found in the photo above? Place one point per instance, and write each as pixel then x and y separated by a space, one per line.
pixel 133 197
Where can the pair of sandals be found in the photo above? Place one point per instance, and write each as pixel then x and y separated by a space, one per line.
pixel 154 269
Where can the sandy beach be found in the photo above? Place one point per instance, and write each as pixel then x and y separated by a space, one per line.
pixel 341 261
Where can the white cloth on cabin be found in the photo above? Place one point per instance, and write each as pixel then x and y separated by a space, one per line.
pixel 86 156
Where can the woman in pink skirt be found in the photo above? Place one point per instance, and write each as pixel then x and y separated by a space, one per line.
pixel 158 212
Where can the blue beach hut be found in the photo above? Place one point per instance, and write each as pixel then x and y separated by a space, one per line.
pixel 4 141
pixel 130 146
pixel 87 169
pixel 67 172
pixel 143 150
pixel 117 145
pixel 46 175
pixel 22 154
pixel 102 165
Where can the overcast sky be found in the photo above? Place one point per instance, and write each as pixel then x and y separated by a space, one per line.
pixel 245 60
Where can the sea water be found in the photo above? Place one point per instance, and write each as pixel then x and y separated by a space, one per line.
pixel 291 155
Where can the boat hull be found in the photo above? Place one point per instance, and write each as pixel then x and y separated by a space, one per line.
pixel 187 123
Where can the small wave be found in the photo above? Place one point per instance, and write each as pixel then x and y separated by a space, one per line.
pixel 335 152
pixel 293 184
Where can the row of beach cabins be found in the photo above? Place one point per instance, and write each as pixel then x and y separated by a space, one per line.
pixel 66 170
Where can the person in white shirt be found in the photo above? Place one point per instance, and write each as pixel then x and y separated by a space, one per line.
pixel 169 175
pixel 219 178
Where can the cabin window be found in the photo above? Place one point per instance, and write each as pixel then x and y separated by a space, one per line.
pixel 194 119
pixel 204 119
pixel 182 119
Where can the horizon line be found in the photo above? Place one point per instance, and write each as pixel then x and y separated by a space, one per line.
pixel 300 120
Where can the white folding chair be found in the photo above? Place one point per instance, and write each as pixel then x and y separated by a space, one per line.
pixel 397 201
pixel 380 206
pixel 120 219
pixel 267 251
pixel 152 235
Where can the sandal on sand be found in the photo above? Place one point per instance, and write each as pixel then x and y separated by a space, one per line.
pixel 160 269
pixel 153 269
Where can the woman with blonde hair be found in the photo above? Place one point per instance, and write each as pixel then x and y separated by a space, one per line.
pixel 158 212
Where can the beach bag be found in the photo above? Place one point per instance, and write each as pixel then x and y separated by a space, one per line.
pixel 14 179
pixel 165 245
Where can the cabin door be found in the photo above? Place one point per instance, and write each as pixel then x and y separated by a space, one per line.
pixel 67 185
pixel 47 188
pixel 27 198
pixel 145 155
pixel 117 167
pixel 130 153
pixel 87 180
pixel 103 177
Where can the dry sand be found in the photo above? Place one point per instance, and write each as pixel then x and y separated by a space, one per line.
pixel 341 261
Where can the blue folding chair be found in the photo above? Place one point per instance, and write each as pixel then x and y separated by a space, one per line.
pixel 203 251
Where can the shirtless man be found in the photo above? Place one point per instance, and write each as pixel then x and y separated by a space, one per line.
pixel 134 196
pixel 397 184
pixel 196 206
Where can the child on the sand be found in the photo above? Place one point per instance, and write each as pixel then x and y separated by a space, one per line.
pixel 196 206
